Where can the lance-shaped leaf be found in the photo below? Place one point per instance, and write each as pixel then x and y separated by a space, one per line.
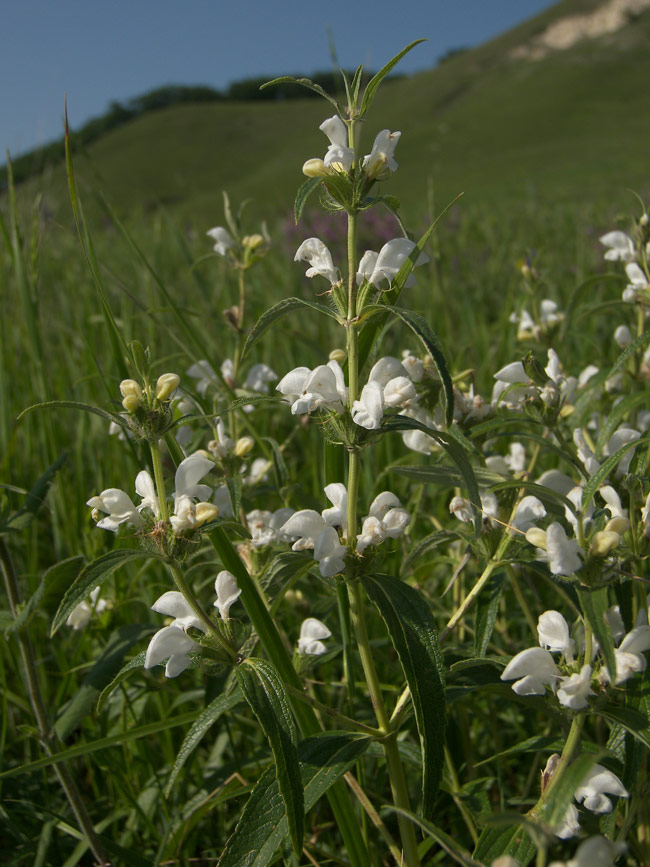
pixel 303 82
pixel 447 843
pixel 303 194
pixel 414 636
pixel 74 404
pixel 376 80
pixel 594 605
pixel 284 307
pixel 608 465
pixel 560 795
pixel 136 663
pixel 511 840
pixel 264 692
pixel 263 824
pixel 208 718
pixel 48 594
pixel 94 575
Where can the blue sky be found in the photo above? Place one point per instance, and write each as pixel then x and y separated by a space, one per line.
pixel 95 51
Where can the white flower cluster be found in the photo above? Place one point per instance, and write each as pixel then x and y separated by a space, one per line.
pixel 385 520
pixel 172 643
pixel 187 512
pixel 592 794
pixel 528 328
pixel 82 613
pixel 621 248
pixel 257 378
pixel 339 157
pixel 534 668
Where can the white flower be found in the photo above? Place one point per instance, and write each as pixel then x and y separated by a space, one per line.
pixel 573 690
pixel 462 509
pixel 223 239
pixel 206 375
pixel 306 525
pixel 329 552
pixel 339 156
pixel 620 247
pixel 570 826
pixel 221 499
pixel 372 533
pixel 227 592
pixel 312 631
pixel 414 366
pixel 265 526
pixel 223 445
pixel 145 488
pixel 417 440
pixel 258 377
pixel 368 411
pixel 553 634
pixel 380 162
pixel 80 615
pixel 562 552
pixel 528 511
pixel 375 267
pixel 534 667
pixel 174 604
pixel 595 787
pixel 337 494
pixel 385 369
pixel 594 852
pixel 620 438
pixel 623 336
pixel 321 388
pixel 188 473
pixel 170 643
pixel 119 507
pixel 585 453
pixel 320 259
pixel 386 520
pixel 638 282
pixel 399 391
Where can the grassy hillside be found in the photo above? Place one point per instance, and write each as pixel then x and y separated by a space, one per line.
pixel 573 125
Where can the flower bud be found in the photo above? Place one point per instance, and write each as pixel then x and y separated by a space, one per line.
pixel 315 169
pixel 167 385
pixel 130 387
pixel 243 446
pixel 536 537
pixel 338 355
pixel 604 542
pixel 252 241
pixel 131 402
pixel 206 512
pixel 618 525
pixel 644 220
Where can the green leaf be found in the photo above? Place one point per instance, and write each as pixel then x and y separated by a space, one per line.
pixel 618 411
pixel 303 82
pixel 282 478
pixel 303 194
pixel 606 468
pixel 440 474
pixel 102 672
pixel 234 485
pixel 421 328
pixel 288 305
pixel 429 543
pixel 74 404
pixel 134 664
pixel 34 499
pixel 414 636
pixel 376 80
pixel 594 603
pixel 447 843
pixel 495 841
pixel 628 352
pixel 538 743
pixel 633 720
pixel 263 825
pixel 217 707
pixel 48 594
pixel 487 606
pixel 264 692
pixel 93 575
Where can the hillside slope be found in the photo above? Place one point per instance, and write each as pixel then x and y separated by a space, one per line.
pixel 500 127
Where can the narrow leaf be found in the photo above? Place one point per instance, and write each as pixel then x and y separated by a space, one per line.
pixel 376 80
pixel 447 843
pixel 487 606
pixel 288 305
pixel 134 664
pixel 48 594
pixel 217 707
pixel 628 353
pixel 633 720
pixel 303 194
pixel 303 82
pixel 606 468
pixel 414 636
pixel 560 796
pixel 35 498
pixel 594 604
pixel 94 575
pixel 73 404
pixel 264 692
pixel 511 840
pixel 263 824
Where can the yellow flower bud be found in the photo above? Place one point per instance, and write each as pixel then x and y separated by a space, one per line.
pixel 206 512
pixel 243 446
pixel 131 402
pixel 129 387
pixel 252 241
pixel 338 355
pixel 166 385
pixel 618 525
pixel 536 537
pixel 604 542
pixel 315 169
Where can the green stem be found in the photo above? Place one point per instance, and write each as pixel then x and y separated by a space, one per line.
pixel 333 714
